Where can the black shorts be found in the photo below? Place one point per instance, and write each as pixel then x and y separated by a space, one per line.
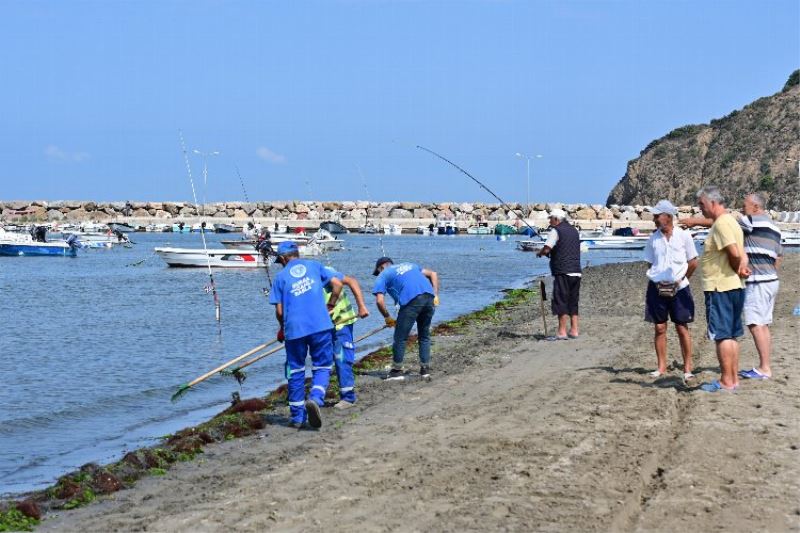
pixel 679 308
pixel 566 293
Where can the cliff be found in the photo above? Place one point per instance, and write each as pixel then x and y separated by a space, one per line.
pixel 743 152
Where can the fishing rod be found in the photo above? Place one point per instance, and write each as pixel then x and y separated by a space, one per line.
pixel 269 252
pixel 212 285
pixel 484 187
pixel 369 199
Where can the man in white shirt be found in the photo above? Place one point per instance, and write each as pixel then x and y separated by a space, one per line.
pixel 673 259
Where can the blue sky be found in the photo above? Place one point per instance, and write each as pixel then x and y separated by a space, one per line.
pixel 300 94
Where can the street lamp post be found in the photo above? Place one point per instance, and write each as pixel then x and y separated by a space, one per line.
pixel 528 177
pixel 205 156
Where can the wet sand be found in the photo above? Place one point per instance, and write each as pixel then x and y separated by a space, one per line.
pixel 514 434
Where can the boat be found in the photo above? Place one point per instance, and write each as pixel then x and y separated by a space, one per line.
pixel 615 243
pixel 222 227
pixel 504 229
pixel 217 258
pixel 482 228
pixel 335 228
pixel 446 227
pixel 20 244
pixel 530 246
pixel 201 226
pixel 790 239
pixel 306 247
pixel 122 227
pixel 181 227
pixel 368 228
pixel 392 229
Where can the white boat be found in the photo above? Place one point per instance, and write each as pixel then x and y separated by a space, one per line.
pixel 368 228
pixel 790 239
pixel 306 249
pixel 482 228
pixel 221 227
pixel 217 258
pixel 22 244
pixel 122 227
pixel 530 246
pixel 392 229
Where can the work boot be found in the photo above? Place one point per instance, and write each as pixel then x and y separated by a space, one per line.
pixel 395 374
pixel 425 372
pixel 314 415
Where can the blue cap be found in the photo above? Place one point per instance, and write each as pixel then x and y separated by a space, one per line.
pixel 287 247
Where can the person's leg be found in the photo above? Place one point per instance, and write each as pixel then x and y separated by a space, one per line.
pixel 424 319
pixel 296 350
pixel 660 342
pixel 572 304
pixel 728 356
pixel 406 317
pixel 763 341
pixel 344 357
pixel 559 303
pixel 321 346
pixel 685 339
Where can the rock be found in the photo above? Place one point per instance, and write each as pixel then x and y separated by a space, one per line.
pixel 90 206
pixel 160 213
pixel 140 213
pixel 30 509
pixel 187 211
pixel 301 208
pixel 240 214
pixel 540 207
pixel 155 205
pixel 248 207
pixel 331 206
pixel 279 205
pixel 105 483
pixel 410 206
pixel 556 205
pixel 378 212
pixel 422 213
pixel 313 215
pixel 362 204
pixel 257 213
pixel 586 213
pixel 79 215
pixel 400 213
pixel 466 207
pixel 54 215
pixel 497 215
pixel 348 206
pixel 629 215
pixel 605 213
pixel 220 214
pixel 17 205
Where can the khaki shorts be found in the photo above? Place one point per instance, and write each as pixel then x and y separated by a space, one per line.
pixel 759 300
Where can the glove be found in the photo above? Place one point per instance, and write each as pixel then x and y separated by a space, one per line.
pixel 280 336
pixel 391 322
pixel 436 301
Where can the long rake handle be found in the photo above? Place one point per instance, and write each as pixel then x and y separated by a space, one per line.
pixel 231 362
pixel 277 348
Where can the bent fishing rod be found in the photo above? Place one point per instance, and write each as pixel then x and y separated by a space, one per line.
pixel 212 285
pixel 484 187
pixel 269 252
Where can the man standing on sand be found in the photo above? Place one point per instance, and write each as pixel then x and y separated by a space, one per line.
pixel 673 259
pixel 723 264
pixel 563 246
pixel 305 326
pixel 416 290
pixel 762 244
pixel 344 348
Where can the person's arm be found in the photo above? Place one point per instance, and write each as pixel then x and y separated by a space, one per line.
pixel 279 316
pixel 737 259
pixel 549 244
pixel 691 222
pixel 355 288
pixel 434 279
pixel 692 267
pixel 380 301
pixel 336 289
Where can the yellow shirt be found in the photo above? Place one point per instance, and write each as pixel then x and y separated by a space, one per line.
pixel 717 272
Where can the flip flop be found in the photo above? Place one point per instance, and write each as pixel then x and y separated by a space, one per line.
pixel 715 386
pixel 655 374
pixel 556 338
pixel 571 336
pixel 753 373
pixel 687 376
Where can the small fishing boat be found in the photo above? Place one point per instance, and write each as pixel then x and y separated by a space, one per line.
pixel 20 244
pixel 790 239
pixel 612 243
pixel 201 226
pixel 122 227
pixel 217 258
pixel 530 246
pixel 227 228
pixel 482 228
pixel 392 229
pixel 335 228
pixel 504 229
pixel 368 228
pixel 181 227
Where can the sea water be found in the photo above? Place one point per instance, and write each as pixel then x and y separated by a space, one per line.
pixel 94 346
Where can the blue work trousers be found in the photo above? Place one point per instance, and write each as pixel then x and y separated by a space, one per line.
pixel 320 345
pixel 344 355
pixel 420 311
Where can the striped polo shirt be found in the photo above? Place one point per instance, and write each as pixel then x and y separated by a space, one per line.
pixel 762 243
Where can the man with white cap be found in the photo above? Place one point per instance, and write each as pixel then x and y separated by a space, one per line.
pixel 563 246
pixel 672 256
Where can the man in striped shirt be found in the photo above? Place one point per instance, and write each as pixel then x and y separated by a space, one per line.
pixel 762 243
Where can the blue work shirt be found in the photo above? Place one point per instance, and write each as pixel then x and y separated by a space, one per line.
pixel 298 287
pixel 403 282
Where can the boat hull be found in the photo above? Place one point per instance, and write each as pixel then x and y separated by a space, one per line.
pixel 55 249
pixel 225 258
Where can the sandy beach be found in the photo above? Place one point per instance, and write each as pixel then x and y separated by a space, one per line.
pixel 513 434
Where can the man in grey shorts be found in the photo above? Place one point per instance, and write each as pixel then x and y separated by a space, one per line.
pixel 762 243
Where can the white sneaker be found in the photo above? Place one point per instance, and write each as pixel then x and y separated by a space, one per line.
pixel 343 404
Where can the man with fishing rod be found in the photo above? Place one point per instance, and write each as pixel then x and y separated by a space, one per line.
pixel 306 327
pixel 416 290
pixel 344 348
pixel 563 246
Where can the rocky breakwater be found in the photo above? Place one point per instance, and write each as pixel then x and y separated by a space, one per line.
pixel 352 214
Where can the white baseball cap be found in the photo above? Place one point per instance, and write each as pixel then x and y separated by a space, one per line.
pixel 665 207
pixel 558 213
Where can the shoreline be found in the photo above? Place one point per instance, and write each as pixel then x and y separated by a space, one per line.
pixel 511 433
